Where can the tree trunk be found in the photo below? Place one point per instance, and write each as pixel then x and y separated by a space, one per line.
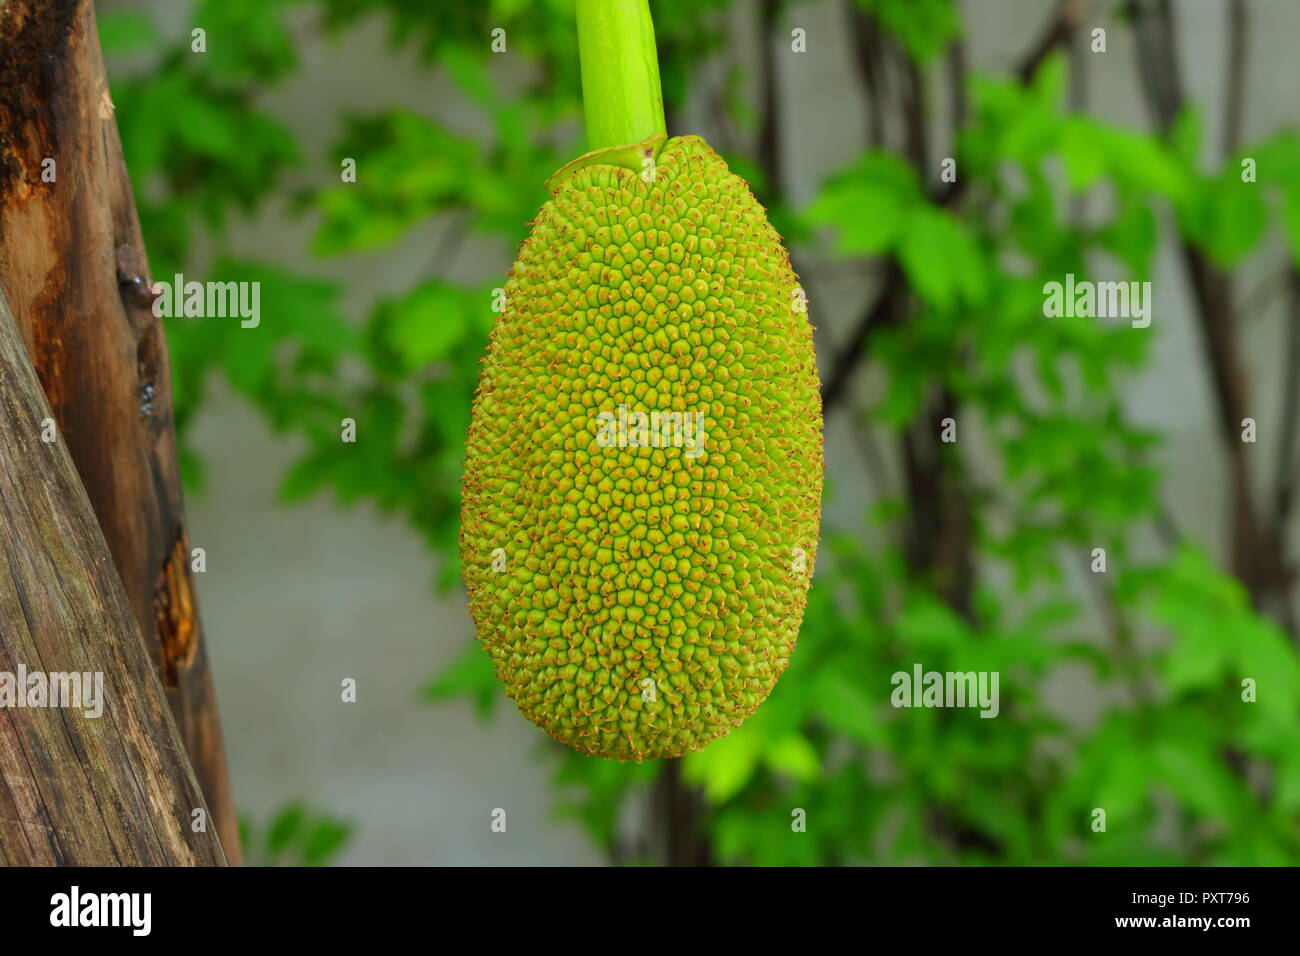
pixel 79 787
pixel 73 264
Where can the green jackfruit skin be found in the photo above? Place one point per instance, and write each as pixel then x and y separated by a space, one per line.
pixel 623 563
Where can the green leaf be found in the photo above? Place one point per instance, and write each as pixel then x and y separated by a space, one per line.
pixel 1185 136
pixel 247 40
pixel 408 168
pixel 1287 786
pixel 1226 217
pixel 470 74
pixel 126 31
pixel 1084 163
pixel 791 754
pixel 868 204
pixel 1199 654
pixel 285 828
pixel 924 27
pixel 930 625
pixel 323 840
pixel 470 675
pixel 940 258
pixel 724 767
pixel 1124 782
pixel 208 129
pixel 845 705
pixel 424 325
pixel 1195 777
pixel 1132 235
pixel 1142 162
pixel 1263 652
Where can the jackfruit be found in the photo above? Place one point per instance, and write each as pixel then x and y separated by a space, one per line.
pixel 642 483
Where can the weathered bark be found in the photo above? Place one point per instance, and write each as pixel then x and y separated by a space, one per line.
pixel 110 789
pixel 73 264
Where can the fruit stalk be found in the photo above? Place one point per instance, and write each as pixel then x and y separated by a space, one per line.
pixel 622 99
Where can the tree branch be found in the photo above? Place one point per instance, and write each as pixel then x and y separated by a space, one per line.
pixel 1068 15
pixel 769 141
pixel 1258 557
pixel 865 34
pixel 1234 107
pixel 1287 475
pixel 845 363
pixel 957 87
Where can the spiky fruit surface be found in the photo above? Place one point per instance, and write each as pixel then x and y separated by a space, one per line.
pixel 647 592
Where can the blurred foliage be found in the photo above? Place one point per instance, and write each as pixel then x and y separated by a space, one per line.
pixel 1186 772
pixel 295 836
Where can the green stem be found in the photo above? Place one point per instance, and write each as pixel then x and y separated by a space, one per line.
pixel 621 97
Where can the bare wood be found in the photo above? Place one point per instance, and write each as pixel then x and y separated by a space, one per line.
pixel 73 263
pixel 113 789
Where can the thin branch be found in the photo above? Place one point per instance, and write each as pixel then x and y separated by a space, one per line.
pixel 1255 302
pixel 769 143
pixel 1287 475
pixel 1079 57
pixel 872 459
pixel 865 33
pixel 451 241
pixel 846 362
pixel 1059 29
pixel 1235 83
pixel 1157 60
pixel 1258 558
pixel 914 115
pixel 717 99
pixel 957 87
pixel 1166 527
pixel 1158 67
pixel 1069 14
